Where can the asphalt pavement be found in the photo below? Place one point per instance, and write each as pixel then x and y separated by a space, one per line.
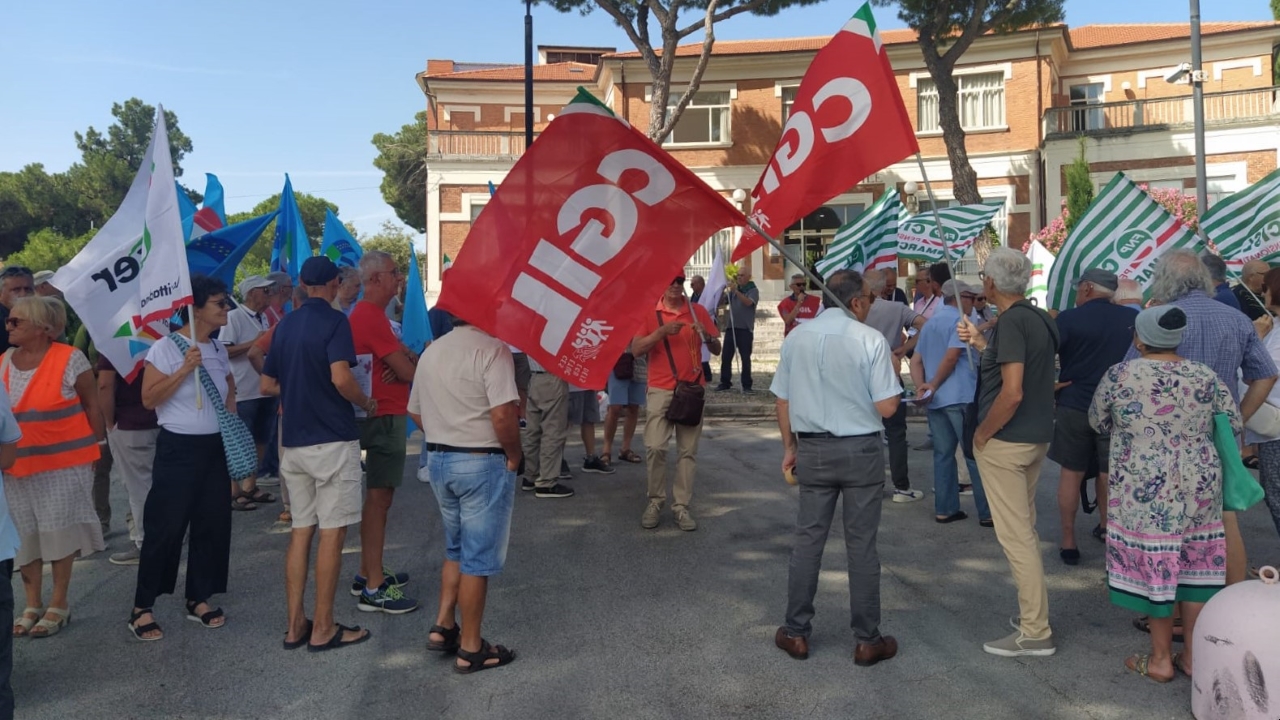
pixel 614 621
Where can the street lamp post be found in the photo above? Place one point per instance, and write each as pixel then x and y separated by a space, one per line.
pixel 1197 89
pixel 529 73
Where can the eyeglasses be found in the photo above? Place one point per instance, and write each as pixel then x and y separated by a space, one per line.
pixel 224 303
pixel 980 298
pixel 13 322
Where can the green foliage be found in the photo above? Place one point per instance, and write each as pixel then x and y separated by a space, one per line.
pixel 631 8
pixel 393 240
pixel 46 249
pixel 74 202
pixel 311 207
pixel 1275 9
pixel 944 22
pixel 1079 188
pixel 402 159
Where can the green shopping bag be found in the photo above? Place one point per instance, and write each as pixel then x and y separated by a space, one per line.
pixel 1239 490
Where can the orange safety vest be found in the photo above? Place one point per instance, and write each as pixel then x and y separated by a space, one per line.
pixel 55 431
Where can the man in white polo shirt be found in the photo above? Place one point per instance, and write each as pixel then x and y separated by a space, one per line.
pixel 245 324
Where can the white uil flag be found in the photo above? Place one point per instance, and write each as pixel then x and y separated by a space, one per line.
pixel 131 277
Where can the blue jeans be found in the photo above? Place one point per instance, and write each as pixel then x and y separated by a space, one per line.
pixel 947 427
pixel 476 494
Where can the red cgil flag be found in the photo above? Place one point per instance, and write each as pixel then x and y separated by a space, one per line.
pixel 848 122
pixel 579 241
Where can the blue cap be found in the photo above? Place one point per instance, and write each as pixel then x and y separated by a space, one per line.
pixel 317 271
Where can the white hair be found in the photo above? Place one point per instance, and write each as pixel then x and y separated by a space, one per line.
pixel 1177 273
pixel 875 281
pixel 1127 293
pixel 1009 270
pixel 373 262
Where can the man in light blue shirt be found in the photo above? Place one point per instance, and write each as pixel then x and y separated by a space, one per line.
pixel 9 541
pixel 947 381
pixel 835 385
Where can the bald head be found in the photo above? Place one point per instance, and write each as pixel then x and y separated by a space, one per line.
pixel 1252 273
pixel 1127 293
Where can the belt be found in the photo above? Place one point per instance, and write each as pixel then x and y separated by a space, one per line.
pixel 829 436
pixel 437 447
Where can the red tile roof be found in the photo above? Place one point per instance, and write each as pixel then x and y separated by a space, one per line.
pixel 551 72
pixel 1096 36
pixel 781 45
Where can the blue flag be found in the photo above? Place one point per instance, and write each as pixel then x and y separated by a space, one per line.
pixel 415 328
pixel 291 246
pixel 213 197
pixel 187 210
pixel 218 254
pixel 338 245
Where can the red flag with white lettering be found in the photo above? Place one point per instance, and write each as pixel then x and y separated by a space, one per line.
pixel 848 122
pixel 579 241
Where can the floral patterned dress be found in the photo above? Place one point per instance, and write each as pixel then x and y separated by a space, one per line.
pixel 1165 540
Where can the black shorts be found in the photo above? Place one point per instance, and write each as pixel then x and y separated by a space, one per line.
pixel 1075 444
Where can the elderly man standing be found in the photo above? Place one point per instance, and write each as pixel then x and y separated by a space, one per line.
pixel 382 433
pixel 245 325
pixel 1223 339
pixel 1013 435
pixel 465 400
pixel 1129 294
pixel 891 319
pixel 348 289
pixel 836 382
pixel 543 437
pixel 309 367
pixel 1218 275
pixel 1092 336
pixel 281 295
pixel 698 285
pixel 672 338
pixel 798 307
pixel 1249 291
pixel 946 380
pixel 740 336
pixel 16 282
pixel 891 290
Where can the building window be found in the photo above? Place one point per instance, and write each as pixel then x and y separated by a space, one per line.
pixel 788 100
pixel 705 119
pixel 1083 96
pixel 981 99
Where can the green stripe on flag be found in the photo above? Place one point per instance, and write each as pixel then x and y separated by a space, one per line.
pixel 918 238
pixel 1246 226
pixel 871 235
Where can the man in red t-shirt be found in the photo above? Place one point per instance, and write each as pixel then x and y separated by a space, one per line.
pixel 672 337
pixel 799 306
pixel 385 369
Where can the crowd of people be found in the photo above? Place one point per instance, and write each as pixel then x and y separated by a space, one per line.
pixel 1108 389
pixel 313 386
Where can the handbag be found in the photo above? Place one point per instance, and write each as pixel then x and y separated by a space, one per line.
pixel 237 442
pixel 625 368
pixel 1239 490
pixel 688 399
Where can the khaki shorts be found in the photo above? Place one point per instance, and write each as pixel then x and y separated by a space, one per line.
pixel 324 484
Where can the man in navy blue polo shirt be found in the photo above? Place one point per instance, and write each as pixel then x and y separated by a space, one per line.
pixel 309 367
pixel 1094 335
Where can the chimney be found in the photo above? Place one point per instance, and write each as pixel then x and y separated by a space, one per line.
pixel 439 67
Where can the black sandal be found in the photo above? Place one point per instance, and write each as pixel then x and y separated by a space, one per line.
pixel 306 638
pixel 1252 462
pixel 205 619
pixel 450 642
pixel 140 630
pixel 337 642
pixel 258 495
pixel 1099 533
pixel 476 661
pixel 1142 623
pixel 243 503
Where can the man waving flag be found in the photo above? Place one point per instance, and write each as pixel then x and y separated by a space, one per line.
pixel 847 123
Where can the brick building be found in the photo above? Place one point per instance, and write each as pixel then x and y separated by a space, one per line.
pixel 1026 98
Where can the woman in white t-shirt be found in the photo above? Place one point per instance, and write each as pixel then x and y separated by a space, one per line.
pixel 1269 447
pixel 189 480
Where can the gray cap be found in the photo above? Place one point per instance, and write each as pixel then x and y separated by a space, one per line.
pixel 952 286
pixel 1161 326
pixel 1101 278
pixel 253 282
pixel 280 278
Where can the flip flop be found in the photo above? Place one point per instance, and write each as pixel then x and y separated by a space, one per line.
pixel 1141 665
pixel 1252 462
pixel 306 638
pixel 259 496
pixel 337 642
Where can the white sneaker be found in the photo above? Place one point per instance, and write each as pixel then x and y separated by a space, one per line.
pixel 906 496
pixel 269 480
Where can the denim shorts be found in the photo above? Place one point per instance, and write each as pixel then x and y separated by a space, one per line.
pixel 476 494
pixel 625 392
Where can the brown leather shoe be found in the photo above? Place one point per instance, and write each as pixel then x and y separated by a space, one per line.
pixel 796 647
pixel 867 654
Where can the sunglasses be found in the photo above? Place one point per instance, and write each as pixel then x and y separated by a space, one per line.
pixel 13 322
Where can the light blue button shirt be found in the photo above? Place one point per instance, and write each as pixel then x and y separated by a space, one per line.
pixel 9 433
pixel 936 337
pixel 832 372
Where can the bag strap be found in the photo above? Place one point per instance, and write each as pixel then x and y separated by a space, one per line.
pixel 667 343
pixel 206 381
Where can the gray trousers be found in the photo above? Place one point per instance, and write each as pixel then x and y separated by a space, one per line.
pixel 134 452
pixel 828 469
pixel 546 425
pixel 895 429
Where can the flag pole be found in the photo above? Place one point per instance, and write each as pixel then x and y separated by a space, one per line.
pixel 946 249
pixel 808 273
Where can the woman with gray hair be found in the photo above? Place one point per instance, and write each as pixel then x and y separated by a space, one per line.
pixel 49 488
pixel 1166 543
pixel 1015 426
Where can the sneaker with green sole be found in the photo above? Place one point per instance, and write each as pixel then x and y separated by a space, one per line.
pixel 388 599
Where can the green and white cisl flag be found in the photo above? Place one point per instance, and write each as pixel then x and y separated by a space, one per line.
pixel 130 278
pixel 868 242
pixel 918 236
pixel 1041 265
pixel 1246 226
pixel 1124 230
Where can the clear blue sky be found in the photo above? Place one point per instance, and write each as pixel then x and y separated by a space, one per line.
pixel 282 85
